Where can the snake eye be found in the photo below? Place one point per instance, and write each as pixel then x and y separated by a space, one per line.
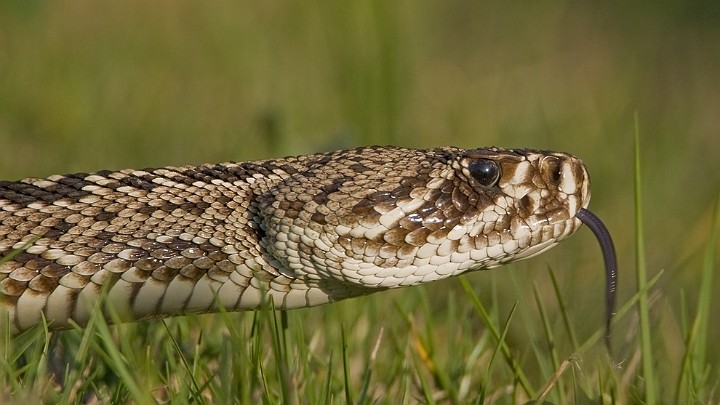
pixel 485 171
pixel 552 170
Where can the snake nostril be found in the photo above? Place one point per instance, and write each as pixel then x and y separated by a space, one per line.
pixel 525 204
pixel 552 170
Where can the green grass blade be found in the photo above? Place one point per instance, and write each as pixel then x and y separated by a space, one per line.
pixel 563 310
pixel 281 359
pixel 487 321
pixel 550 338
pixel 368 373
pixel 80 361
pixel 346 366
pixel 326 395
pixel 115 358
pixel 694 365
pixel 704 299
pixel 498 347
pixel 439 373
pixel 641 277
pixel 425 386
pixel 178 350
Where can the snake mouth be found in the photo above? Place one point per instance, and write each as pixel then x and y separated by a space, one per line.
pixel 610 258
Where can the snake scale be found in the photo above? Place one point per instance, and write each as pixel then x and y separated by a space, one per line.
pixel 303 230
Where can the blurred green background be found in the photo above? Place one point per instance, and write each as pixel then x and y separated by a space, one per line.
pixel 108 85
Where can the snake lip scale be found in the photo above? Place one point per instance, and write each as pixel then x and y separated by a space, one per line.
pixel 303 230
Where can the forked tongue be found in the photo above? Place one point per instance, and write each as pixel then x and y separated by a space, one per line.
pixel 608 250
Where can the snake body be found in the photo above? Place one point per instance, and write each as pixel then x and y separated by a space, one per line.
pixel 302 230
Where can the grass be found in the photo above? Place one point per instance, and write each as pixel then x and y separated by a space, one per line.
pixel 139 84
pixel 272 357
pixel 641 276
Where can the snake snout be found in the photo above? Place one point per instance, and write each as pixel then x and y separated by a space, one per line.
pixel 575 182
pixel 567 176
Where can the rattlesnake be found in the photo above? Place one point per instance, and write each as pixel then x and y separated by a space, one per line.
pixel 301 231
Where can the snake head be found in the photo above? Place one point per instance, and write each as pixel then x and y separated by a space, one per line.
pixel 378 218
pixel 532 203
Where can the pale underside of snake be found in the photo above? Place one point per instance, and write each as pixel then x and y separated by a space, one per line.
pixel 301 231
